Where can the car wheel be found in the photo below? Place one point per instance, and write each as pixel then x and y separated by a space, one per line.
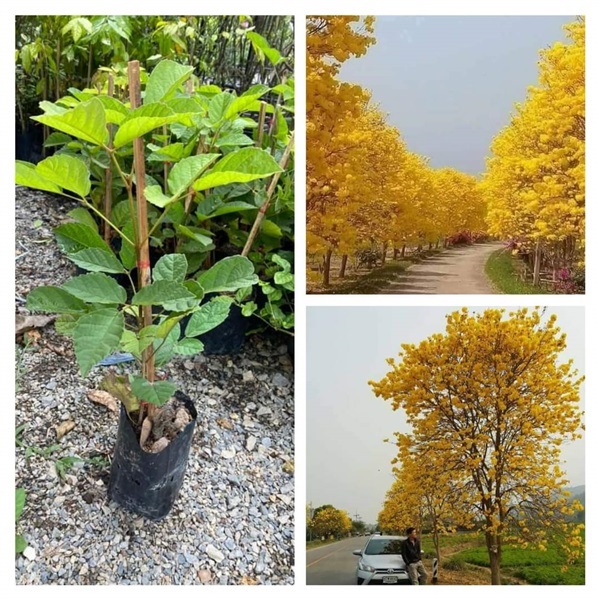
pixel 359 581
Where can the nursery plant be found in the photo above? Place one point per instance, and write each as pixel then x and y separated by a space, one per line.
pixel 105 139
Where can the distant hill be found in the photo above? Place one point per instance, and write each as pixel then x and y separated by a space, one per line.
pixel 577 490
pixel 578 493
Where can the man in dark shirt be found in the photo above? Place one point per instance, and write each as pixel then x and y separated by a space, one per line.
pixel 411 553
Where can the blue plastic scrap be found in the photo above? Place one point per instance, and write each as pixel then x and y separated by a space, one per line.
pixel 115 359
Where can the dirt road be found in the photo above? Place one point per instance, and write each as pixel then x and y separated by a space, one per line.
pixel 459 270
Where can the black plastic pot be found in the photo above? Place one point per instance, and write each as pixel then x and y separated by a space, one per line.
pixel 148 483
pixel 29 144
pixel 226 338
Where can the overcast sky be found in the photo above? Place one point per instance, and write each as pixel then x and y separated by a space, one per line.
pixel 450 83
pixel 348 464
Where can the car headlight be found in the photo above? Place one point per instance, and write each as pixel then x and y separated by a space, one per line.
pixel 363 567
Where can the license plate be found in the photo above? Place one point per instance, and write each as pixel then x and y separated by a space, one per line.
pixel 390 579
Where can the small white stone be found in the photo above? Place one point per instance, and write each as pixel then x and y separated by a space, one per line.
pixel 29 553
pixel 248 376
pixel 250 443
pixel 228 453
pixel 215 554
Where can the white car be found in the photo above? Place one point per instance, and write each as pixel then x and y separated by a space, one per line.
pixel 381 561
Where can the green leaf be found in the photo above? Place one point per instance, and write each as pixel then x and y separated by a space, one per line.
pixel 20 544
pixel 246 164
pixel 142 120
pixel 279 260
pixel 78 26
pixel 171 295
pixel 248 308
pixel 72 237
pixel 228 275
pixel 195 235
pixel 262 48
pixel 65 324
pixel 171 267
pixel 116 112
pixel 95 336
pixel 195 288
pixel 66 171
pixel 52 299
pixel 234 139
pixel 218 106
pixel 96 259
pixel 26 174
pixel 83 215
pixel 155 196
pixel 186 171
pixel 164 80
pixel 87 121
pixel 136 344
pixel 127 252
pixel 285 280
pixel 209 316
pixel 245 100
pixel 97 288
pixel 171 152
pixel 57 139
pixel 156 393
pixel 20 496
pixel 271 229
pixel 231 207
pixel 188 347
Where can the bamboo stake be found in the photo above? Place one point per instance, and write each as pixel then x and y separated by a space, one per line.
pixel 272 186
pixel 143 248
pixel 108 172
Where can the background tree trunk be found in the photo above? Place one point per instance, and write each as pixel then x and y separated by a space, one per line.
pixel 327 267
pixel 343 266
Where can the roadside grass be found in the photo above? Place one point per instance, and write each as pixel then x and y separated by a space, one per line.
pixel 537 567
pixel 318 543
pixel 500 268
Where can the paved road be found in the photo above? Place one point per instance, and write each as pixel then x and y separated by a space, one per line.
pixel 455 271
pixel 333 564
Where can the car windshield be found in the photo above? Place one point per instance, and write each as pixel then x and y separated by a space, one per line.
pixel 383 546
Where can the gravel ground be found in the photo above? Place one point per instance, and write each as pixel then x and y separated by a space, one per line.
pixel 233 520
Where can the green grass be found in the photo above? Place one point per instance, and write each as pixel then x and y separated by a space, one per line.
pixel 319 543
pixel 500 268
pixel 452 540
pixel 552 575
pixel 537 567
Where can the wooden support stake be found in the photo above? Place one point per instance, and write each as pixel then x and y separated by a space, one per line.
pixel 271 190
pixel 143 248
pixel 108 172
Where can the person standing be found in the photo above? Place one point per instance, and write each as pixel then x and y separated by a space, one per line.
pixel 411 553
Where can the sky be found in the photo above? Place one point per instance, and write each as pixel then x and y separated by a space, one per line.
pixel 449 84
pixel 348 463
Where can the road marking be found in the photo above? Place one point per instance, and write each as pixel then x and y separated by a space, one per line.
pixel 320 559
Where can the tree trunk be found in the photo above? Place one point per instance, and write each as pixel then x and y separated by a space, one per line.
pixel 494 552
pixel 383 253
pixel 343 266
pixel 537 263
pixel 327 267
pixel 396 253
pixel 403 254
pixel 430 245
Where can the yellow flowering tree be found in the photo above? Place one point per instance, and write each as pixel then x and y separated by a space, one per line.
pixel 491 402
pixel 535 178
pixel 329 521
